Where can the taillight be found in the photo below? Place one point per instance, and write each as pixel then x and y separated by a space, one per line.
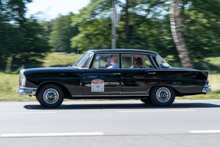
pixel 207 82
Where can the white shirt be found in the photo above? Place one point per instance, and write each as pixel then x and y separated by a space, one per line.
pixel 113 66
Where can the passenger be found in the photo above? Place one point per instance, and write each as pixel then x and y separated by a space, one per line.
pixel 138 62
pixel 108 62
pixel 114 62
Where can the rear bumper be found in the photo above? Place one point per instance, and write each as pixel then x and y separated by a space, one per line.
pixel 206 89
pixel 26 91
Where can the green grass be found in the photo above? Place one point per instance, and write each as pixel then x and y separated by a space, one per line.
pixel 9 82
pixel 213 60
pixel 60 59
pixel 8 87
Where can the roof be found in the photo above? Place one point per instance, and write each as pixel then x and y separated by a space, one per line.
pixel 122 51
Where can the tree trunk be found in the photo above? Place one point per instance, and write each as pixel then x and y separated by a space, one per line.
pixel 177 35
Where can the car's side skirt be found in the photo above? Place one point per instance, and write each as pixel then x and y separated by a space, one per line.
pixel 107 96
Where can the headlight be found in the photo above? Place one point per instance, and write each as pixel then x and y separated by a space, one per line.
pixel 22 78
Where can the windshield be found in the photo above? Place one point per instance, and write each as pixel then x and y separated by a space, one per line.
pixel 84 62
pixel 162 63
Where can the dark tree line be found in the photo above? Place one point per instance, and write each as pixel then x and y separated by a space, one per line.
pixel 20 37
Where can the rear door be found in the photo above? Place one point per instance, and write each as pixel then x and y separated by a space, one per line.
pixel 137 74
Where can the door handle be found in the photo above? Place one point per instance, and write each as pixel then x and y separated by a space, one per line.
pixel 116 74
pixel 151 73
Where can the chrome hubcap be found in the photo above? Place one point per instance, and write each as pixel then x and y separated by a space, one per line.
pixel 51 96
pixel 163 94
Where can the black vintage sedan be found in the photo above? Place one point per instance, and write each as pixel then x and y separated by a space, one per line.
pixel 109 73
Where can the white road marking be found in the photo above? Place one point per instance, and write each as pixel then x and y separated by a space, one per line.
pixel 8 113
pixel 51 134
pixel 161 111
pixel 204 131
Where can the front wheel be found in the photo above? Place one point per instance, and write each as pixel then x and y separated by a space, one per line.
pixel 50 96
pixel 162 96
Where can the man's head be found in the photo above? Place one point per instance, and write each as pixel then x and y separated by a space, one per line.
pixel 109 61
pixel 114 59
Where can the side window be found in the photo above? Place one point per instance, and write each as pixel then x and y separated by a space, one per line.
pixel 84 62
pixel 107 61
pixel 132 61
pixel 127 62
pixel 137 61
pixel 147 62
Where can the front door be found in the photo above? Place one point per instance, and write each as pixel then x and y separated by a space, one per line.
pixel 103 77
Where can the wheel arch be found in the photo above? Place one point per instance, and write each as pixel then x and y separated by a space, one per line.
pixel 65 90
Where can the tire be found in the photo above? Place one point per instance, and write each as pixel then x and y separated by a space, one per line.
pixel 146 100
pixel 162 96
pixel 50 96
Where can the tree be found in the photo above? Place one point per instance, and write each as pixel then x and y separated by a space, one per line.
pixel 94 24
pixel 201 29
pixel 177 35
pixel 61 33
pixel 145 24
pixel 20 38
pixel 47 27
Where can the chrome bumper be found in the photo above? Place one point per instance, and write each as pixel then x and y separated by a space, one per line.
pixel 26 91
pixel 206 89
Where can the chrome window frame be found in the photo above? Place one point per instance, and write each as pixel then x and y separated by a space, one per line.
pixel 93 60
pixel 142 59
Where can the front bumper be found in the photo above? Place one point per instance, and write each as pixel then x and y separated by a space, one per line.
pixel 26 91
pixel 206 89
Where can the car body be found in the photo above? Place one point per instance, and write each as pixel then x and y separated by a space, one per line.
pixel 113 73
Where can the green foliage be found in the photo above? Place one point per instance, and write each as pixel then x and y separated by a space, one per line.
pixel 47 27
pixel 20 38
pixel 145 24
pixel 61 34
pixel 201 29
pixel 140 27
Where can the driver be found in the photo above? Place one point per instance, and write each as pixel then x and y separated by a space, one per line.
pixel 114 61
pixel 108 63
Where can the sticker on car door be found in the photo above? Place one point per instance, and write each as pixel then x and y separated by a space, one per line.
pixel 97 85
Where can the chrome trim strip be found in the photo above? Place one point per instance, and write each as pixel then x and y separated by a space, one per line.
pixel 29 88
pixel 105 95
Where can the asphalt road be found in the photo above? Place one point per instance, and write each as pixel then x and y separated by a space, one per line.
pixel 191 123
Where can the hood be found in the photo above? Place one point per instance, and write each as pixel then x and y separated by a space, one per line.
pixel 49 69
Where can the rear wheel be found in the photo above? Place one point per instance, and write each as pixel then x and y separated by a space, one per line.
pixel 162 96
pixel 50 96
